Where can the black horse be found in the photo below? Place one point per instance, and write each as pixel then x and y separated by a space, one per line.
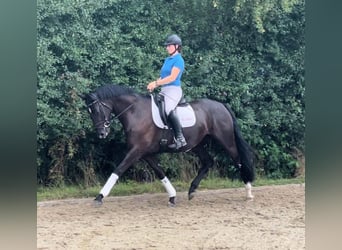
pixel 144 138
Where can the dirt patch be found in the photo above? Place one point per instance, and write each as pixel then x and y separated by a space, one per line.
pixel 214 219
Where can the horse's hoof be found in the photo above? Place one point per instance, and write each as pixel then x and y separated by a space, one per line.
pixel 97 203
pixel 172 202
pixel 250 197
pixel 98 200
pixel 191 195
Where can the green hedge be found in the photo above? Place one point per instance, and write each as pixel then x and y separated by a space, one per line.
pixel 250 56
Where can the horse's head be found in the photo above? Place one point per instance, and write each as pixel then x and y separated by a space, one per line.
pixel 100 114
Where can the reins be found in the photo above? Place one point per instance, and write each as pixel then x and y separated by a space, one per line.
pixel 122 112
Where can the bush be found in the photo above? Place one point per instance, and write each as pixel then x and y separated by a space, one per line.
pixel 248 56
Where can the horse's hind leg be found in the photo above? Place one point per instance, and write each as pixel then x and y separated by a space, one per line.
pixel 153 163
pixel 206 163
pixel 233 151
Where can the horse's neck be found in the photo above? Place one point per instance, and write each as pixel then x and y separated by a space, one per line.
pixel 121 103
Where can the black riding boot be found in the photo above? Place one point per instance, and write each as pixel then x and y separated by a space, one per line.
pixel 179 138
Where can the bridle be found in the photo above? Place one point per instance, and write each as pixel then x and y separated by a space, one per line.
pixel 106 123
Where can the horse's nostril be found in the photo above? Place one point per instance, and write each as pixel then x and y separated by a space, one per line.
pixel 103 134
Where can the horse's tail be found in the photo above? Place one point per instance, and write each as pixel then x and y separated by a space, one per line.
pixel 246 153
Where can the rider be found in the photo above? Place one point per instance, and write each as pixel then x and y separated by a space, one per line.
pixel 170 80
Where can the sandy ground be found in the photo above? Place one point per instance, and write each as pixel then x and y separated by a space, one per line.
pixel 214 219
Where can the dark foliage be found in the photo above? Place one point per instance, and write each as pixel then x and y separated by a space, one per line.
pixel 249 55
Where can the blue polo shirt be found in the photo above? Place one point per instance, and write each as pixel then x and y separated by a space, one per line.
pixel 169 63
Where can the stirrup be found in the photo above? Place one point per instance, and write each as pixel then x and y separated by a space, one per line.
pixel 179 143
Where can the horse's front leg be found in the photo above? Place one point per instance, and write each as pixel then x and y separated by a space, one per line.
pixel 153 163
pixel 132 156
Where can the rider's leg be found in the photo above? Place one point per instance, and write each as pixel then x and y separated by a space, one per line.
pixel 177 128
pixel 172 96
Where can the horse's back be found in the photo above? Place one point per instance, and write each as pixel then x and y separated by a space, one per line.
pixel 208 106
pixel 213 114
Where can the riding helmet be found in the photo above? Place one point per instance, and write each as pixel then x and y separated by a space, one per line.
pixel 173 39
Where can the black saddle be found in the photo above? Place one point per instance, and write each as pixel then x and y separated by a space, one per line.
pixel 160 102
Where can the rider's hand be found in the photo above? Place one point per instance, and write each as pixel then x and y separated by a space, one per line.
pixel 151 86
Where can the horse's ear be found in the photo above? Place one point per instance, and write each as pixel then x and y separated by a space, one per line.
pixel 82 96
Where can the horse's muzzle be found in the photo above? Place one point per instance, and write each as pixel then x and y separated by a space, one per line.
pixel 103 133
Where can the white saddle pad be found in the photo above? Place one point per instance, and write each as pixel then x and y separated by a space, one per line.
pixel 185 114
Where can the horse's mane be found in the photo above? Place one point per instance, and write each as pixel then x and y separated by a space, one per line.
pixel 108 91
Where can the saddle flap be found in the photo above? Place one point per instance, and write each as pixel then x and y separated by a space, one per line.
pixel 159 101
pixel 185 114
